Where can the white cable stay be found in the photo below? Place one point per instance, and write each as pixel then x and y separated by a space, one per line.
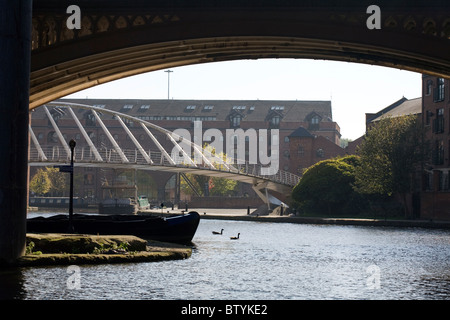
pixel 132 137
pixel 110 137
pixel 36 144
pixel 85 135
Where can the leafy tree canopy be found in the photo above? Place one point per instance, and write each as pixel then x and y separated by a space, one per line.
pixel 40 183
pixel 390 153
pixel 327 185
pixel 216 186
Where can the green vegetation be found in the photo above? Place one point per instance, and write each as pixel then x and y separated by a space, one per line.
pixel 391 152
pixel 76 244
pixel 40 183
pixel 49 181
pixel 30 249
pixel 67 249
pixel 327 187
pixel 122 247
pixel 386 161
pixel 216 186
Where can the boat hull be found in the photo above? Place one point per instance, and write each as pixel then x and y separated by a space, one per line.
pixel 116 209
pixel 178 229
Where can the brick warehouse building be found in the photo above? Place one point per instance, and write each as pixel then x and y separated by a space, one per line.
pixel 430 198
pixel 435 198
pixel 306 149
pixel 307 134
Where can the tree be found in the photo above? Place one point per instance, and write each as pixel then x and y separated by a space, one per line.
pixel 59 181
pixel 222 187
pixel 197 181
pixel 327 185
pixel 390 154
pixel 40 183
pixel 345 142
pixel 216 186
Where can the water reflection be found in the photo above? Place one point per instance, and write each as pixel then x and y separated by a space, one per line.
pixel 11 284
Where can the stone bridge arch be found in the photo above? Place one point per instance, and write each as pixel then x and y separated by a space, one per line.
pixel 124 38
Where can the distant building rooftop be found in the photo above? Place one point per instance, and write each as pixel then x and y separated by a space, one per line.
pixel 213 110
pixel 399 108
pixel 301 132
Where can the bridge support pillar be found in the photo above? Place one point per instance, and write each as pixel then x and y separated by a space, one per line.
pixel 15 51
pixel 264 196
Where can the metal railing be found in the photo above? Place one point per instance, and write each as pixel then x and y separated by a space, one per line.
pixel 85 154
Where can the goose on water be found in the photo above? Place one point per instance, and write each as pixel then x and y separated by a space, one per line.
pixel 235 238
pixel 215 232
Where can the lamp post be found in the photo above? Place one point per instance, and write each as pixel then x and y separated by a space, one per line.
pixel 72 145
pixel 168 83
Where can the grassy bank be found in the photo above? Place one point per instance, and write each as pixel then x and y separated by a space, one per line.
pixel 67 249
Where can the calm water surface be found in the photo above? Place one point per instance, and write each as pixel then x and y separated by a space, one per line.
pixel 269 261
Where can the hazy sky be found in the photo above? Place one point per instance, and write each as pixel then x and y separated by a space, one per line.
pixel 353 89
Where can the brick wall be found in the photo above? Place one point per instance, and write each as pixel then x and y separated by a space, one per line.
pixel 313 150
pixel 435 205
pixel 224 202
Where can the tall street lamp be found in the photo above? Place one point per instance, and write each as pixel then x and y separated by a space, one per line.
pixel 168 83
pixel 72 145
pixel 69 169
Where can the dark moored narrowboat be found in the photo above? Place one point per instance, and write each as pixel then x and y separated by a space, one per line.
pixel 177 228
pixel 57 202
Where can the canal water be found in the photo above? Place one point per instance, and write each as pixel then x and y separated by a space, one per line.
pixel 269 261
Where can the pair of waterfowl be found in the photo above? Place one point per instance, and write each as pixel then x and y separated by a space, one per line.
pixel 221 232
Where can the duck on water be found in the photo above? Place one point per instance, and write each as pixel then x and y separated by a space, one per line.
pixel 235 238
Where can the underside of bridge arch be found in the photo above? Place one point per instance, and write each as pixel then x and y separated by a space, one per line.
pixel 112 46
pixel 68 77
